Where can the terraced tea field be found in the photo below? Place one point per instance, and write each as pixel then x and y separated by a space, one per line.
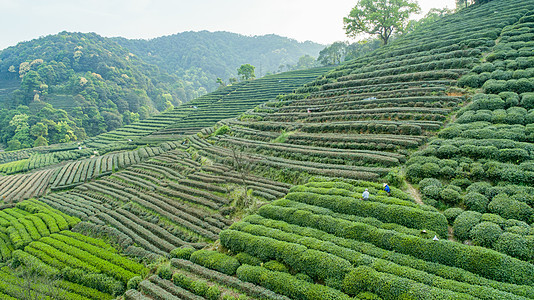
pixel 207 110
pixel 255 191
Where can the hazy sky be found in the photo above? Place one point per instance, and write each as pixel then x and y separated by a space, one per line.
pixel 318 21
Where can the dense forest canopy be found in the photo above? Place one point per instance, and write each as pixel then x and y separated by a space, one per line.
pixel 203 56
pixel 88 84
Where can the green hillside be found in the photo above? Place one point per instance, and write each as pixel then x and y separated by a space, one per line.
pixel 219 54
pixel 103 84
pixel 255 190
pixel 205 111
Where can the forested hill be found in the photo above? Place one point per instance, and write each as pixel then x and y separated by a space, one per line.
pixel 102 84
pixel 219 54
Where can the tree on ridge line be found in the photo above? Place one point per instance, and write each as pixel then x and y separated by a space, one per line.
pixel 379 17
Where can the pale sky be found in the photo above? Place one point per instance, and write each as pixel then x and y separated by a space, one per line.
pixel 318 21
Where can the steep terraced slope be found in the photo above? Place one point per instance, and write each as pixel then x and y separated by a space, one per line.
pixel 363 118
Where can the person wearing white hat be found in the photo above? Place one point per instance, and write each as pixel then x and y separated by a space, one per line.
pixel 365 195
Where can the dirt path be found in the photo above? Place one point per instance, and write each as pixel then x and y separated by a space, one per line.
pixel 415 193
pixel 450 234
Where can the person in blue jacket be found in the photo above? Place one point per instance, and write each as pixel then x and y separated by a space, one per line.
pixel 387 189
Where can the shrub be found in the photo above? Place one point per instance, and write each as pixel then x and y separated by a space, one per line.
pixel 461 182
pixel 484 101
pixel 183 252
pixel 485 234
pixel 447 172
pixel 493 86
pixel 527 100
pixel 164 271
pixel 247 259
pixel 429 182
pixel 474 81
pixel 450 196
pixel 368 296
pixel 99 282
pixel 447 151
pixel 521 230
pixel 407 216
pixel 274 265
pixel 316 264
pixel 431 193
pixel 493 218
pixel 133 283
pixel 479 187
pixel 452 213
pixel 213 293
pixel 512 155
pixel 430 170
pixel 465 222
pixel 199 287
pixel 516 245
pixel 476 202
pixel 222 130
pixel 304 277
pixel 216 261
pixel 512 223
pixel 510 209
pixel 389 286
pixel 288 285
pixel 182 280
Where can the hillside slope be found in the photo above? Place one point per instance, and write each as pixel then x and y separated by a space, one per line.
pixel 103 84
pixel 219 54
pixel 291 172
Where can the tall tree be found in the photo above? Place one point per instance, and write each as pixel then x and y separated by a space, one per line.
pixel 379 17
pixel 432 16
pixel 333 54
pixel 246 72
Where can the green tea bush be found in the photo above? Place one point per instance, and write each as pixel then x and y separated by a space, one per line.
pixel 527 100
pixel 513 222
pixel 389 286
pixel 429 182
pixel 447 151
pixel 493 86
pixel 485 234
pixel 482 261
pixel 452 213
pixel 304 277
pixel 288 285
pixel 133 283
pixel 407 216
pixel 465 222
pixel 199 287
pixel 521 230
pixel 213 293
pixel 450 196
pixel 510 209
pixel 183 252
pixel 431 194
pixel 222 130
pixel 164 271
pixel 481 187
pixel 247 259
pixel 274 265
pixel 484 101
pixel 476 202
pixel 462 183
pixel 316 264
pixel 516 245
pixel 216 261
pixel 487 217
pixel 99 282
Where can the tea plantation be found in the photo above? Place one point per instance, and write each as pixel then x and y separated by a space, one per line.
pixel 255 191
